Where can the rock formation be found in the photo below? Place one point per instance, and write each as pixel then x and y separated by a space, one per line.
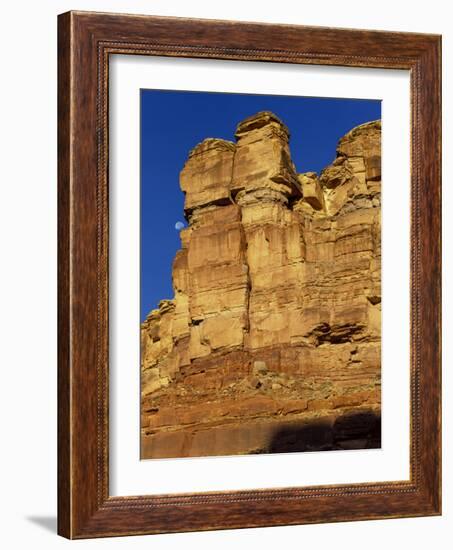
pixel 272 340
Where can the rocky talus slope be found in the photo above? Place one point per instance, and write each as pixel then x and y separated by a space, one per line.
pixel 272 340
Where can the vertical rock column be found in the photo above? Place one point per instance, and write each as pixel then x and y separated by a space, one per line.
pixel 213 272
pixel 264 183
pixel 341 289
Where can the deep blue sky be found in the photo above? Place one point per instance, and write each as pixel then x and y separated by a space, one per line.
pixel 172 122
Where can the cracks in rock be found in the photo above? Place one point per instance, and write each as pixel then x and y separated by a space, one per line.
pixel 324 333
pixel 248 283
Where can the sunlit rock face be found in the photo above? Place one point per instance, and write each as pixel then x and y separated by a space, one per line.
pixel 272 340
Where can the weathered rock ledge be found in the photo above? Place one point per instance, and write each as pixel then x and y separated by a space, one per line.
pixel 272 340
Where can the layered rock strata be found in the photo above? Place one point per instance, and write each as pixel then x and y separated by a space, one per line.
pixel 272 340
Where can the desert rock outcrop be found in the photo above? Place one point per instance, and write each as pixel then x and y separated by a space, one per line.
pixel 272 340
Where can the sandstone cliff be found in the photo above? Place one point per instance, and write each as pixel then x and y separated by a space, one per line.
pixel 272 340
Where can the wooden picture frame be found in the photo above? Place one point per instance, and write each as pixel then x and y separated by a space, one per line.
pixel 85 42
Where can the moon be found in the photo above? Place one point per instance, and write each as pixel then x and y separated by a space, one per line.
pixel 179 226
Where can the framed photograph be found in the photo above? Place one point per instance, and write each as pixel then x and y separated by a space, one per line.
pixel 249 275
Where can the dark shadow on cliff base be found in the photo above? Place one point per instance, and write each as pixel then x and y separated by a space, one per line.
pixel 361 430
pixel 49 523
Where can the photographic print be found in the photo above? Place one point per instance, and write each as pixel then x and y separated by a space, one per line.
pixel 260 274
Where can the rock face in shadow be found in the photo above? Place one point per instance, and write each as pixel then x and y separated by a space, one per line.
pixel 272 340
